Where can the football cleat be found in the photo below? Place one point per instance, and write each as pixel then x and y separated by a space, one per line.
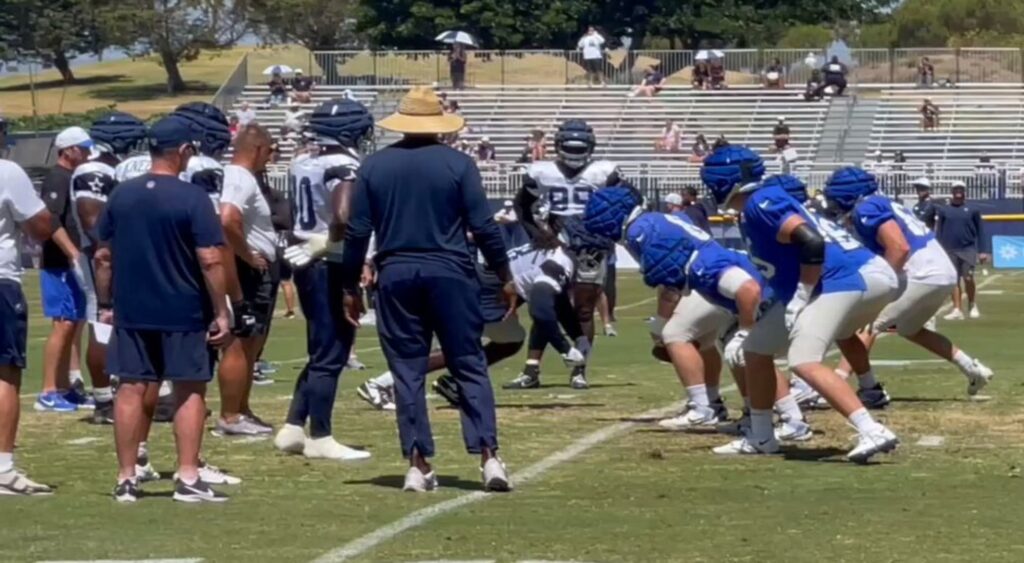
pixel 578 378
pixel 378 397
pixel 16 483
pixel 747 446
pixel 880 440
pixel 328 448
pixel 528 379
pixel 978 376
pixel 290 439
pixel 975 313
pixel 448 388
pixel 793 430
pixel 874 398
pixel 694 417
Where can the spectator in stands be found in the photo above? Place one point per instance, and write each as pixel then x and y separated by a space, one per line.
pixel 485 151
pixel 464 147
pixel 774 76
pixel 695 209
pixel 925 73
pixel 294 120
pixel 457 65
pixel 348 94
pixel 700 149
pixel 538 146
pixel 233 126
pixel 245 114
pixel 835 75
pixel 877 165
pixel 453 107
pixel 668 141
pixel 673 203
pixel 652 83
pixel 443 97
pixel 278 89
pixel 701 79
pixel 929 115
pixel 302 88
pixel 814 88
pixel 780 134
pixel 716 69
pixel 592 45
pixel 924 209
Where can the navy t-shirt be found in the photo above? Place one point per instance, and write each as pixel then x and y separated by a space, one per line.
pixel 154 224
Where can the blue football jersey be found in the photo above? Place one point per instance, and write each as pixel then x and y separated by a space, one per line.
pixel 874 211
pixel 764 214
pixel 706 270
pixel 663 244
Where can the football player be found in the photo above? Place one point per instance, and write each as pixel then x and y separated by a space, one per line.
pixel 563 187
pixel 927 274
pixel 116 135
pixel 204 169
pixel 826 286
pixel 323 186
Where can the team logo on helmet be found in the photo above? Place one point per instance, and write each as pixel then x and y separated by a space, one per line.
pixel 118 133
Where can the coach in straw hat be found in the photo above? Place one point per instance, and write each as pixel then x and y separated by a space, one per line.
pixel 421 198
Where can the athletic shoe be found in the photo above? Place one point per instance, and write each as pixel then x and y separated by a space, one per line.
pixel 266 367
pixel 528 379
pixel 694 417
pixel 495 478
pixel 418 482
pixel 746 446
pixel 244 426
pixel 289 315
pixel 739 427
pixel 199 491
pixel 609 330
pixel 978 376
pixel 721 412
pixel 880 440
pixel 578 378
pixel 874 398
pixel 328 448
pixel 975 313
pixel 16 483
pixel 213 475
pixel 802 393
pixel 54 402
pixel 379 397
pixel 103 413
pixel 260 378
pixel 354 364
pixel 290 439
pixel 954 315
pixel 127 491
pixel 369 319
pixel 447 387
pixel 793 430
pixel 164 409
pixel 259 422
pixel 145 472
pixel 83 400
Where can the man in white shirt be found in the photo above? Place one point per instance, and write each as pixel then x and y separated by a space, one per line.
pixel 20 208
pixel 592 45
pixel 252 277
pixel 294 119
pixel 245 115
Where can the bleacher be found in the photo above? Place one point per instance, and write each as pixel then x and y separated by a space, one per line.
pixel 973 122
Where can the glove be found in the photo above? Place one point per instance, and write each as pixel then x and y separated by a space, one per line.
pixel 797 304
pixel 574 358
pixel 734 350
pixel 243 322
pixel 300 255
pixel 656 325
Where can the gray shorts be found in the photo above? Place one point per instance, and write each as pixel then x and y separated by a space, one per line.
pixel 964 262
pixel 696 319
pixel 912 309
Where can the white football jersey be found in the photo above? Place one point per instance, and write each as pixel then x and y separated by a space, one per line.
pixel 92 180
pixel 313 181
pixel 133 167
pixel 208 174
pixel 564 195
pixel 528 268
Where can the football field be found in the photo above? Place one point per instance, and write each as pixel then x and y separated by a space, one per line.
pixel 597 480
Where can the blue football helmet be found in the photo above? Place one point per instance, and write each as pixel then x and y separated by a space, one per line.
pixel 731 169
pixel 663 253
pixel 610 209
pixel 215 137
pixel 575 143
pixel 790 184
pixel 847 185
pixel 118 133
pixel 342 122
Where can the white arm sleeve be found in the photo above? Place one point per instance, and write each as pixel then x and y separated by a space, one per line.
pixel 24 203
pixel 731 281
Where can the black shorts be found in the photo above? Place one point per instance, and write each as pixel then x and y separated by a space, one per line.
pixel 259 289
pixel 593 65
pixel 284 269
pixel 964 261
pixel 156 355
pixel 13 324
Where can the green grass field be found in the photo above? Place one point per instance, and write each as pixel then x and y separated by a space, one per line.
pixel 609 485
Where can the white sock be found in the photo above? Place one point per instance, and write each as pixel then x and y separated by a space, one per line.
pixel 963 361
pixel 867 380
pixel 698 395
pixel 761 428
pixel 787 406
pixel 533 362
pixel 6 461
pixel 861 420
pixel 386 379
pixel 713 394
pixel 74 376
pixel 103 394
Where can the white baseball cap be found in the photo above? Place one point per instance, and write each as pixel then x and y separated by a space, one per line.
pixel 73 137
pixel 673 199
pixel 922 182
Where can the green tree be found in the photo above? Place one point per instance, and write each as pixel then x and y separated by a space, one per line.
pixel 54 30
pixel 806 37
pixel 314 24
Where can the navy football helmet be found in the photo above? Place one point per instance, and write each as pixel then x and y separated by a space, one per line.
pixel 215 136
pixel 342 122
pixel 118 133
pixel 575 143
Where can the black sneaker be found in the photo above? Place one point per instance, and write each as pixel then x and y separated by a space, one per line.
pixel 103 414
pixel 721 412
pixel 528 379
pixel 578 378
pixel 874 398
pixel 127 491
pixel 447 387
pixel 199 491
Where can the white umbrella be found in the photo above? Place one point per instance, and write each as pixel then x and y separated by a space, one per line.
pixel 705 54
pixel 277 69
pixel 457 37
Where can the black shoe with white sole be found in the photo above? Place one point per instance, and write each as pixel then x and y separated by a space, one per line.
pixel 200 491
pixel 447 387
pixel 127 491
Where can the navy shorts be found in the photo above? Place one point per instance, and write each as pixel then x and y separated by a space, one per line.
pixel 156 355
pixel 63 298
pixel 13 324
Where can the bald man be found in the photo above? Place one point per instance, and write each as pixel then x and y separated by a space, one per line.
pixel 252 277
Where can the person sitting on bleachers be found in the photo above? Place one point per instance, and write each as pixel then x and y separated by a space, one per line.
pixel 700 149
pixel 877 166
pixel 485 152
pixel 302 88
pixel 294 120
pixel 538 146
pixel 929 115
pixel 652 83
pixel 245 114
pixel 773 76
pixel 701 76
pixel 278 90
pixel 925 73
pixel 813 89
pixel 835 76
pixel 717 70
pixel 780 134
pixel 669 139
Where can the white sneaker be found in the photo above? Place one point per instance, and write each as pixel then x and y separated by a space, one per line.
pixel 694 417
pixel 609 330
pixel 978 377
pixel 146 473
pixel 793 430
pixel 747 446
pixel 290 439
pixel 16 483
pixel 328 448
pixel 369 319
pixel 975 313
pixel 954 315
pixel 495 478
pixel 213 475
pixel 418 482
pixel 880 440
pixel 802 393
pixel 354 364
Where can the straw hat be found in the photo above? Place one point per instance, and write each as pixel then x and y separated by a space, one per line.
pixel 420 113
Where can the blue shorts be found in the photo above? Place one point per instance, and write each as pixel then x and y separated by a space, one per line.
pixel 156 355
pixel 13 324
pixel 63 298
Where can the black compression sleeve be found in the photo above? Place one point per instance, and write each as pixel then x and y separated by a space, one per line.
pixel 811 243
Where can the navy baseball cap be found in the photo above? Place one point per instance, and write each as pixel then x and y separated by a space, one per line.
pixel 171 132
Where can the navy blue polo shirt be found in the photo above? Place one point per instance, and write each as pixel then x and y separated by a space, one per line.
pixel 154 224
pixel 421 198
pixel 958 227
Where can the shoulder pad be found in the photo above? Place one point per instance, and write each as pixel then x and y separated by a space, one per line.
pixel 602 170
pixel 210 179
pixel 94 182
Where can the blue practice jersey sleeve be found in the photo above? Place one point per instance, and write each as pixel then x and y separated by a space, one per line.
pixel 766 212
pixel 869 216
